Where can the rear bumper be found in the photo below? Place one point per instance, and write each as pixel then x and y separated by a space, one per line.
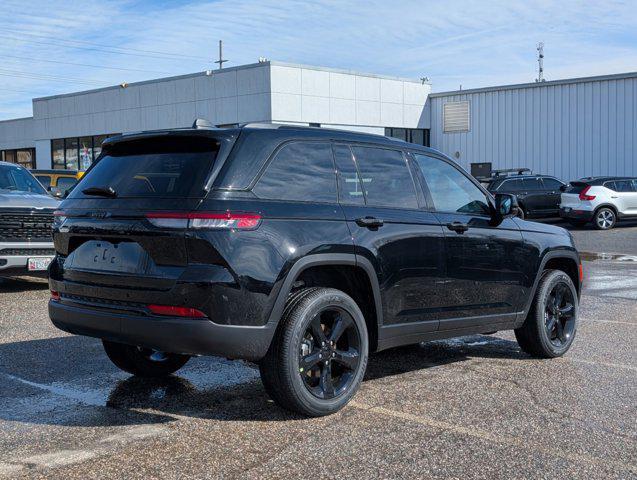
pixel 576 214
pixel 169 334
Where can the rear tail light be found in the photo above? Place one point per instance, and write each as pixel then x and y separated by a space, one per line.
pixel 205 220
pixel 55 295
pixel 173 311
pixel 584 194
pixel 581 273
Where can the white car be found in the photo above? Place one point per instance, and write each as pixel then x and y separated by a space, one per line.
pixel 602 200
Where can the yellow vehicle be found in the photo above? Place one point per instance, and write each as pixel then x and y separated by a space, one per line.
pixel 57 182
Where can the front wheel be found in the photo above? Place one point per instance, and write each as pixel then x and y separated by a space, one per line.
pixel 143 362
pixel 550 326
pixel 605 219
pixel 318 357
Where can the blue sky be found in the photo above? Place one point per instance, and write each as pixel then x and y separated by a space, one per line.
pixel 49 47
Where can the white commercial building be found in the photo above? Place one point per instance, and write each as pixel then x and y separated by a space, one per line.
pixel 567 128
pixel 66 130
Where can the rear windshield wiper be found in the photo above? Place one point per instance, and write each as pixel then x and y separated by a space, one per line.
pixel 100 191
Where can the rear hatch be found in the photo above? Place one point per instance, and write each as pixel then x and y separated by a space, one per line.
pixel 571 196
pixel 106 234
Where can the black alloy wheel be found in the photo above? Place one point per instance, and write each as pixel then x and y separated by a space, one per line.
pixel 551 324
pixel 317 359
pixel 559 315
pixel 329 353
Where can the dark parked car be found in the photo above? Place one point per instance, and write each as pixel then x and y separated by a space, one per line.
pixel 538 195
pixel 303 249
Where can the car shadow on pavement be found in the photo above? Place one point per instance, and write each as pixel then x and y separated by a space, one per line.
pixel 20 284
pixel 69 381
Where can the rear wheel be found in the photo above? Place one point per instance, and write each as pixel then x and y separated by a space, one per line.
pixel 143 362
pixel 318 357
pixel 550 326
pixel 605 218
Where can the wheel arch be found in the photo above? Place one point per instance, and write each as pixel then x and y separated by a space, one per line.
pixel 565 260
pixel 606 205
pixel 347 272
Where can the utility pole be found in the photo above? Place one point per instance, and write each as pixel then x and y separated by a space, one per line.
pixel 540 62
pixel 221 61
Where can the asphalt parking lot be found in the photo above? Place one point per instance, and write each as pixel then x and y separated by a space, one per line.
pixel 475 407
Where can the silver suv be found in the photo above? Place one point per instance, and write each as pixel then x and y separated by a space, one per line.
pixel 26 216
pixel 602 200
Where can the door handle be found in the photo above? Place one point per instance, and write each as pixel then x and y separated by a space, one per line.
pixel 458 227
pixel 613 196
pixel 369 222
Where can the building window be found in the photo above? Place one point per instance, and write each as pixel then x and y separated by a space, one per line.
pixel 419 136
pixel 455 117
pixel 57 154
pixel 71 153
pixel 21 156
pixel 76 153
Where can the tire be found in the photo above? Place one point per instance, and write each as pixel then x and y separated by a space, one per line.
pixel 291 371
pixel 577 223
pixel 551 324
pixel 605 218
pixel 143 362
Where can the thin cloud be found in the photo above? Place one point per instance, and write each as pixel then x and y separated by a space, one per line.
pixel 455 42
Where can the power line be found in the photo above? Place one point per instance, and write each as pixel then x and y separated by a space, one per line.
pixel 40 76
pixel 104 48
pixel 84 42
pixel 83 64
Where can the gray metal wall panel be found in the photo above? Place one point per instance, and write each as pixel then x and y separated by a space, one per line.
pixel 567 130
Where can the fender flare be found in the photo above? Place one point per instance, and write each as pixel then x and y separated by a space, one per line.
pixel 345 259
pixel 551 254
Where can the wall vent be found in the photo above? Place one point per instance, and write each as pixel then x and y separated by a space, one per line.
pixel 455 117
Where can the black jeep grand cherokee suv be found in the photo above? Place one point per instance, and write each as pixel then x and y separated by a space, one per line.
pixel 303 249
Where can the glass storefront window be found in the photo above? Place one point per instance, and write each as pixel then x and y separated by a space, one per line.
pixel 57 152
pixel 75 153
pixel 24 158
pixel 71 153
pixel 86 152
pixel 9 156
pixel 97 144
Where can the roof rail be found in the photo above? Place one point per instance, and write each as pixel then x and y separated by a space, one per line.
pixel 505 171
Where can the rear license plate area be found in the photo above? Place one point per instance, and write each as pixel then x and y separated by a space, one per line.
pixel 107 257
pixel 38 264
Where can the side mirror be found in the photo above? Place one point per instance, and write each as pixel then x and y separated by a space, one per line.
pixel 55 191
pixel 506 205
pixel 563 188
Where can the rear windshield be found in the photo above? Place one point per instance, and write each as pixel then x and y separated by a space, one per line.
pixel 160 167
pixel 575 187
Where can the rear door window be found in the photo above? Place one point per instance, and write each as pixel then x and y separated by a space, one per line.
pixel 175 167
pixel 512 185
pixel 385 177
pixel 623 186
pixel 531 184
pixel 350 190
pixel 300 171
pixel 551 183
